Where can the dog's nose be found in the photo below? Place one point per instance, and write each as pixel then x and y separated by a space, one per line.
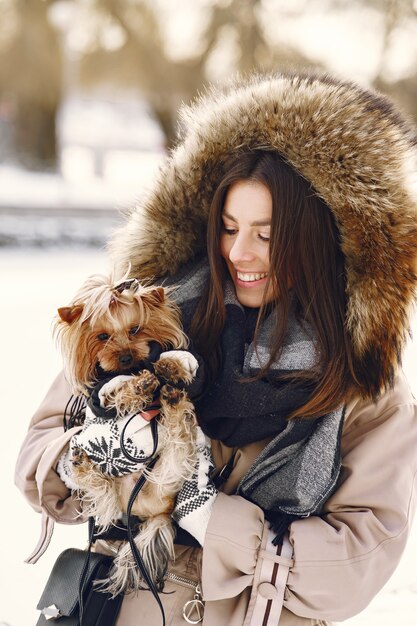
pixel 125 359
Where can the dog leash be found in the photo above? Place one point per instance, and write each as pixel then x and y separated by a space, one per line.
pixel 136 554
pixel 154 430
pixel 151 459
pixel 75 411
pixel 74 415
pixel 130 533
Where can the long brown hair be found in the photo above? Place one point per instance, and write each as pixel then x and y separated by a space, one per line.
pixel 306 262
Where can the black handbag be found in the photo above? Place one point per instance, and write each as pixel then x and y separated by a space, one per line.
pixel 72 579
pixel 70 597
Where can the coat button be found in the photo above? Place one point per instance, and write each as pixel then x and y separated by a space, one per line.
pixel 268 591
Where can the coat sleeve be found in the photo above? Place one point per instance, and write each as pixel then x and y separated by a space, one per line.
pixel 343 557
pixel 231 546
pixel 35 473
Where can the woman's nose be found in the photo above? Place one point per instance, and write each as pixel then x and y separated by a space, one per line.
pixel 240 250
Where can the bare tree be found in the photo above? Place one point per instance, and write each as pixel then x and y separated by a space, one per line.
pixel 30 66
pixel 403 90
pixel 165 81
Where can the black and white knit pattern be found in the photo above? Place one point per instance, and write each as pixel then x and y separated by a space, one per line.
pixel 196 498
pixel 100 439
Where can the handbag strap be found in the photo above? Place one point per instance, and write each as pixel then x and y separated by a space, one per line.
pixel 83 577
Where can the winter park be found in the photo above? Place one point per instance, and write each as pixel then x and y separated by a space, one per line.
pixel 88 114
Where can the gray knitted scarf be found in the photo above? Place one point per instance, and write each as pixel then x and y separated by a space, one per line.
pixel 297 471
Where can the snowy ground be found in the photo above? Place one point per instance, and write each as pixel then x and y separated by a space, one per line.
pixel 35 283
pixel 42 210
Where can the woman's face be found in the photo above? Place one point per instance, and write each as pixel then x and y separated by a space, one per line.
pixel 244 240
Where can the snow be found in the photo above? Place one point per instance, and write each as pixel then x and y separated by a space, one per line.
pixel 76 207
pixel 108 117
pixel 35 283
pixel 127 175
pixel 24 228
pixel 109 149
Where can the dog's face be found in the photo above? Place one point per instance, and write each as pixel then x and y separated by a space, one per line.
pixel 112 330
pixel 119 341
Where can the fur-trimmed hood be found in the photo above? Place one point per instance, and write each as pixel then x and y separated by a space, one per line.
pixel 360 156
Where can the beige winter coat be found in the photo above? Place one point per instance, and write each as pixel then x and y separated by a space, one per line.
pixel 339 560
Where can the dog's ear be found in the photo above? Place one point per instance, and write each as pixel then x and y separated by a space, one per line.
pixel 158 293
pixel 69 314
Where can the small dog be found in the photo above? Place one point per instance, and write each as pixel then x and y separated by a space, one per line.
pixel 108 329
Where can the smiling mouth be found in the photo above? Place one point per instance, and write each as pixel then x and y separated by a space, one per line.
pixel 250 278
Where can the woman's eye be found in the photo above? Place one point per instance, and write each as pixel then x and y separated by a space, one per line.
pixel 103 336
pixel 229 231
pixel 134 330
pixel 263 237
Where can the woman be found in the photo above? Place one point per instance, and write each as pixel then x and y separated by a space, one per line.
pixel 305 188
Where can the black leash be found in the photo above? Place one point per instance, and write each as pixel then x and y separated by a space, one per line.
pixel 151 461
pixel 135 492
pixel 136 554
pixel 154 430
pixel 74 415
pixel 131 538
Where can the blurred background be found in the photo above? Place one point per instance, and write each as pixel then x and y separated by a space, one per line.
pixel 89 96
pixel 90 89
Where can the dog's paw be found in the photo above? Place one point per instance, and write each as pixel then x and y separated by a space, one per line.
pixel 81 467
pixel 79 458
pixel 177 365
pixel 145 383
pixel 171 395
pixel 134 393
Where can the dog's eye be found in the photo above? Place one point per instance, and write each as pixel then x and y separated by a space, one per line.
pixel 103 336
pixel 134 330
